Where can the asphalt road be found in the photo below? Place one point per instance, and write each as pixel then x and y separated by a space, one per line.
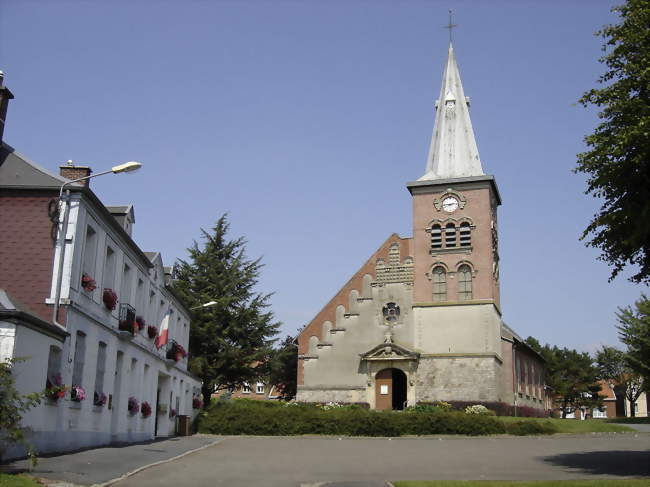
pixel 317 461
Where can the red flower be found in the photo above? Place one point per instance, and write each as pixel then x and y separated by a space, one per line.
pixel 88 283
pixel 109 298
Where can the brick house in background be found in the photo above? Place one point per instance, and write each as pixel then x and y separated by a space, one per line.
pixel 113 299
pixel 420 321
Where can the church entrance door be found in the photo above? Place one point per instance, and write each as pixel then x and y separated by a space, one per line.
pixel 390 389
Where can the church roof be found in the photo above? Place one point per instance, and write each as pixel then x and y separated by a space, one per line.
pixel 453 152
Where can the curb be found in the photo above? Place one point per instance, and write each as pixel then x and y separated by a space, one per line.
pixel 160 462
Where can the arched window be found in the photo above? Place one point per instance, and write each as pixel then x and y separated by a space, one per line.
pixel 439 278
pixel 465 235
pixel 450 235
pixel 436 237
pixel 464 283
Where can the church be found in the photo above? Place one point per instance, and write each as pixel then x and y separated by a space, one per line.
pixel 420 321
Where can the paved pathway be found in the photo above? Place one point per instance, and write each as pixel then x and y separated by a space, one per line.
pixel 103 464
pixel 351 462
pixel 364 462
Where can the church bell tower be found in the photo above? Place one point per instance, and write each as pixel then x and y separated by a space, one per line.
pixel 455 245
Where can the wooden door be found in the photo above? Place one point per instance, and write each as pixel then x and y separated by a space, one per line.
pixel 384 390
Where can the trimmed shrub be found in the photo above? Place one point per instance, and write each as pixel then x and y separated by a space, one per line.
pixel 248 417
pixel 499 408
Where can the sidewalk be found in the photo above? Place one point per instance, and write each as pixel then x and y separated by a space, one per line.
pixel 101 465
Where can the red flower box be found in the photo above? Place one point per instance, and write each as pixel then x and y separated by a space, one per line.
pixel 110 299
pixel 88 283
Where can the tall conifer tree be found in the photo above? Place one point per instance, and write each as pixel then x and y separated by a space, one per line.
pixel 230 340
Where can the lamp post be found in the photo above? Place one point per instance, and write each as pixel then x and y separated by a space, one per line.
pixel 126 167
pixel 205 305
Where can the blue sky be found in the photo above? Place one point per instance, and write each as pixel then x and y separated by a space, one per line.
pixel 304 120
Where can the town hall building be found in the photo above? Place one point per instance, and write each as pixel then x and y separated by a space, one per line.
pixel 420 321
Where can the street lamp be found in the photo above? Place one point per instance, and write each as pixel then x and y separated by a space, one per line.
pixel 126 167
pixel 205 305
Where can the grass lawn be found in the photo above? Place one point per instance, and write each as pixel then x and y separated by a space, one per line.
pixel 530 483
pixel 629 420
pixel 576 426
pixel 7 480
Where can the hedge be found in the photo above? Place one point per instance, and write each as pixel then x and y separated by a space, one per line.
pixel 500 408
pixel 264 418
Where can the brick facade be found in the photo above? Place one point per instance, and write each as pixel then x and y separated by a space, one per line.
pixel 27 248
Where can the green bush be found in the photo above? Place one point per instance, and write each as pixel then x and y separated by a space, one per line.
pixel 247 417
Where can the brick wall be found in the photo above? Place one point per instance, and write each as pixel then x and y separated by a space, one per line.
pixel 27 248
pixel 75 172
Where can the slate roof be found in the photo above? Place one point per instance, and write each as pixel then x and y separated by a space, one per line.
pixel 14 311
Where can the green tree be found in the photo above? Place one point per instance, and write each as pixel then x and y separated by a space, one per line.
pixel 634 332
pixel 230 341
pixel 613 368
pixel 13 406
pixel 571 375
pixel 284 368
pixel 617 162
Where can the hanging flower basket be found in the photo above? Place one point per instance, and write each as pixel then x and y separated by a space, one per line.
pixel 145 409
pixel 88 283
pixel 197 403
pixel 77 393
pixel 134 405
pixel 139 320
pixel 54 389
pixel 99 399
pixel 176 351
pixel 152 331
pixel 110 299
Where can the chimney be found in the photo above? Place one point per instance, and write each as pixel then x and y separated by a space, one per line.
pixel 5 96
pixel 70 171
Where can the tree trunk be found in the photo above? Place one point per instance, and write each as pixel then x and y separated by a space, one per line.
pixel 206 392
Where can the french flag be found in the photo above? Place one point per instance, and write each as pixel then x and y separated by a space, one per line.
pixel 163 334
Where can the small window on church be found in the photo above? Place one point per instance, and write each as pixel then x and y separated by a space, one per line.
pixel 464 283
pixel 465 235
pixel 439 284
pixel 436 237
pixel 450 235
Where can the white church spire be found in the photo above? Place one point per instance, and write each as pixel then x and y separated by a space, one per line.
pixel 453 152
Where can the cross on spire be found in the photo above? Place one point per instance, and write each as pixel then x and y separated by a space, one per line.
pixel 450 26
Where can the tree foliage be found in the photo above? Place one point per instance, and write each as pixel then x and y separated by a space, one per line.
pixel 613 368
pixel 230 341
pixel 13 405
pixel 571 375
pixel 634 332
pixel 617 161
pixel 284 368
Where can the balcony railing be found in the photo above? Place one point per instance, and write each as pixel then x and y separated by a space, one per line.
pixel 127 318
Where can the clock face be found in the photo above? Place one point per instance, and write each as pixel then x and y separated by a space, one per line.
pixel 450 204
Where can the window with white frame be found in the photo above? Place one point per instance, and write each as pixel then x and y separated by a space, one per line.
pixel 464 283
pixel 99 372
pixel 109 269
pixel 439 280
pixel 125 291
pixel 79 358
pixel 246 388
pixel 259 388
pixel 90 252
pixel 599 413
pixel 53 378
